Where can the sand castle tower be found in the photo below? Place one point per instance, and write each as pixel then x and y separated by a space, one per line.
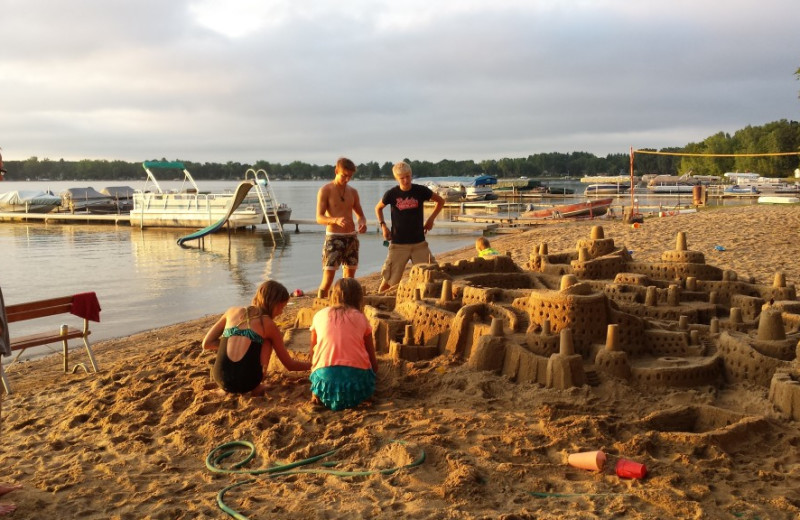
pixel 612 360
pixel 575 306
pixel 565 369
pixel 678 264
pixel 596 259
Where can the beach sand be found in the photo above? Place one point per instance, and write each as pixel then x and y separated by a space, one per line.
pixel 131 441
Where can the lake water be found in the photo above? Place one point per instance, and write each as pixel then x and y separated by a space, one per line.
pixel 144 280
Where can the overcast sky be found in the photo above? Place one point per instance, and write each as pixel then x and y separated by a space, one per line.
pixel 375 80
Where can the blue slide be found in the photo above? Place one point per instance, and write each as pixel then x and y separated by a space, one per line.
pixel 241 192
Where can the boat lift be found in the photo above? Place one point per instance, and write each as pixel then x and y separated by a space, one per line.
pixel 266 197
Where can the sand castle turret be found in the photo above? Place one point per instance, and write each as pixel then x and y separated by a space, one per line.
pixel 489 351
pixel 770 326
pixel 565 369
pixel 612 360
pixel 784 392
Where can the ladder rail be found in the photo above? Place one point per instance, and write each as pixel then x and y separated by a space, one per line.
pixel 261 188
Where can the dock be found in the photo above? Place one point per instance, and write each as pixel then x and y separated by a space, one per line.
pixel 90 218
pixel 441 224
pixel 75 218
pixel 497 206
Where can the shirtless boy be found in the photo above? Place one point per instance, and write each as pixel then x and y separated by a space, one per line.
pixel 336 203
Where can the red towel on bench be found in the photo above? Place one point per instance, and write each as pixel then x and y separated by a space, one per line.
pixel 86 306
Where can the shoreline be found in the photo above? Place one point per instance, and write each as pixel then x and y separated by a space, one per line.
pixel 130 441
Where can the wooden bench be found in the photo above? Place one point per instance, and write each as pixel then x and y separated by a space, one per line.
pixel 82 305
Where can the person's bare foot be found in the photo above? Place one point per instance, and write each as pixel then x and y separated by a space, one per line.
pixel 8 488
pixel 7 508
pixel 316 404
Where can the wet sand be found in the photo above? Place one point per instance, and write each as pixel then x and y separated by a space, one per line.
pixel 131 442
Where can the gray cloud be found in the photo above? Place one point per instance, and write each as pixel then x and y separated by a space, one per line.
pixel 312 80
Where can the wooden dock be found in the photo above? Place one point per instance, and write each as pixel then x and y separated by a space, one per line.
pixel 89 218
pixel 72 218
pixel 441 224
pixel 494 206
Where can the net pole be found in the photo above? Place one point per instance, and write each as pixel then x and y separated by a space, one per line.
pixel 631 213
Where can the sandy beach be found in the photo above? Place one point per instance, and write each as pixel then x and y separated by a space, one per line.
pixel 131 441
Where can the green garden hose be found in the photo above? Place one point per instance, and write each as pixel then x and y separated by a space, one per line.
pixel 223 451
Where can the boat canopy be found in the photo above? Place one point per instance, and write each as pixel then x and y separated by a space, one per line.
pixel 118 192
pixel 166 165
pixel 83 194
pixel 30 197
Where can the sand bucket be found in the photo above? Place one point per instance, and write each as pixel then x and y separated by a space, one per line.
pixel 591 460
pixel 630 469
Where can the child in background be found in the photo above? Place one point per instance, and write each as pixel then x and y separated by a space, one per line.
pixel 343 362
pixel 484 248
pixel 244 339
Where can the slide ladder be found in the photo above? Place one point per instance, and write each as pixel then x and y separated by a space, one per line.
pixel 266 197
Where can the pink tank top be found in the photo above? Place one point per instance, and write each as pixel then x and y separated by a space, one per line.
pixel 340 338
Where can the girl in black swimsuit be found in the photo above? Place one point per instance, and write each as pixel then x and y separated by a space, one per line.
pixel 245 337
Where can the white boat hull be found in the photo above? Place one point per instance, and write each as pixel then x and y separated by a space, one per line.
pixel 606 189
pixel 195 211
pixel 768 199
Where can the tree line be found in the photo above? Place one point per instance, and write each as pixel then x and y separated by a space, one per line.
pixel 778 136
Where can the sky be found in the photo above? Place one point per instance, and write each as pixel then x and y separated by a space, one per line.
pixel 383 80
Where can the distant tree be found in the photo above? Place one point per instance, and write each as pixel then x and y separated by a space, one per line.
pixel 777 136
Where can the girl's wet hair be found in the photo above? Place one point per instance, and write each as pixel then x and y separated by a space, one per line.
pixel 268 295
pixel 347 292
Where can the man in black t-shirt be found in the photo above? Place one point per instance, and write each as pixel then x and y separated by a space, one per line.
pixel 407 233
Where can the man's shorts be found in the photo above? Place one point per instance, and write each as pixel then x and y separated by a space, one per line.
pixel 340 249
pixel 398 257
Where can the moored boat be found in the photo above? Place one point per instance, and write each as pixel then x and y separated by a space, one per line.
pixel 592 208
pixel 522 185
pixel 671 184
pixel 29 201
pixel 737 190
pixel 189 207
pixel 448 193
pixel 469 188
pixel 89 200
pixel 606 189
pixel 778 199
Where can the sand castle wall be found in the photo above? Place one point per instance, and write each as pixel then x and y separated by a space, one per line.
pixel 605 268
pixel 784 391
pixel 586 314
pixel 742 362
pixel 679 372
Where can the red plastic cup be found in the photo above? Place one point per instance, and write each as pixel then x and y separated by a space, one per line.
pixel 630 469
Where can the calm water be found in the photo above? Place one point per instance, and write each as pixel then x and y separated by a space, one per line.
pixel 143 279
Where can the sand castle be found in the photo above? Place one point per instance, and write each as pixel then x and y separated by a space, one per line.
pixel 573 318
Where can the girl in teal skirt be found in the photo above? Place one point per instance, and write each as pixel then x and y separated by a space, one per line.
pixel 343 362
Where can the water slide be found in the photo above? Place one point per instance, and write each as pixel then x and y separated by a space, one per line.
pixel 241 192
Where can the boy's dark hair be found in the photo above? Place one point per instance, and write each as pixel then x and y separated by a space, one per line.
pixel 346 164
